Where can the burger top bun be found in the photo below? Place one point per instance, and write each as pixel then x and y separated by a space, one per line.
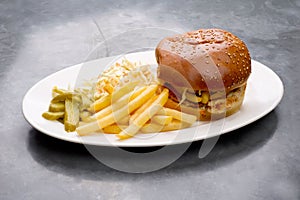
pixel 208 59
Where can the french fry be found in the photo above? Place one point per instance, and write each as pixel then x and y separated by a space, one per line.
pixel 85 116
pixel 138 123
pixel 187 118
pixel 118 104
pixel 137 93
pixel 118 114
pixel 151 128
pixel 109 88
pixel 81 123
pixel 107 100
pixel 142 108
pixel 174 125
pixel 120 92
pixel 124 121
pixel 114 129
pixel 162 119
pixel 101 103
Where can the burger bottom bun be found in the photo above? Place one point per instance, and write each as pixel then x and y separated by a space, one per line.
pixel 233 105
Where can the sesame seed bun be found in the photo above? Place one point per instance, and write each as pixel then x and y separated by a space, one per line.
pixel 206 71
pixel 206 59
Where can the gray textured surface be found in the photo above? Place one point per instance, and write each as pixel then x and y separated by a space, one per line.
pixel 37 38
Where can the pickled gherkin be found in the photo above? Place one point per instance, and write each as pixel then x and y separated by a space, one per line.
pixel 56 91
pixel 57 107
pixel 71 118
pixel 53 115
pixel 64 96
pixel 68 107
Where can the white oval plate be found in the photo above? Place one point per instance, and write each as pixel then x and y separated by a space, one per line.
pixel 264 92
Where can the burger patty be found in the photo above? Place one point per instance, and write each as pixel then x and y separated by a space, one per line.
pixel 215 104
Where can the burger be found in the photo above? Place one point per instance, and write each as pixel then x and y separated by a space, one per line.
pixel 206 72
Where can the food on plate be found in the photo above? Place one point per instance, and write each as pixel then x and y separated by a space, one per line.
pixel 133 103
pixel 145 115
pixel 117 111
pixel 110 78
pixel 140 110
pixel 201 75
pixel 57 107
pixel 71 118
pixel 190 119
pixel 120 73
pixel 162 119
pixel 173 125
pixel 65 107
pixel 53 115
pixel 206 71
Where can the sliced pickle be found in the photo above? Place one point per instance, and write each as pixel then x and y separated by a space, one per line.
pixel 53 115
pixel 71 119
pixel 64 96
pixel 57 107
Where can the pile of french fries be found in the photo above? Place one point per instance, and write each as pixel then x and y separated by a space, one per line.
pixel 131 109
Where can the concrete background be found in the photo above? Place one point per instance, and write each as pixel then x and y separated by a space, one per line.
pixel 37 38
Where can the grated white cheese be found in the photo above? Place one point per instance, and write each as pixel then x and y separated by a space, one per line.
pixel 119 74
